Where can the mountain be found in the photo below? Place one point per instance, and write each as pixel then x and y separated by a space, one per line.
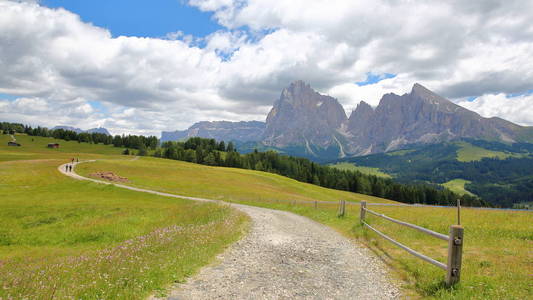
pixel 98 130
pixel 78 130
pixel 250 131
pixel 301 116
pixel 420 117
pixel 70 128
pixel 303 122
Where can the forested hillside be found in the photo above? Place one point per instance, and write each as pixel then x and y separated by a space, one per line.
pixel 501 174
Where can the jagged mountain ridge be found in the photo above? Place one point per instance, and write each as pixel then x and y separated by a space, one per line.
pixel 244 131
pixel 306 123
pixel 301 116
pixel 420 117
pixel 78 130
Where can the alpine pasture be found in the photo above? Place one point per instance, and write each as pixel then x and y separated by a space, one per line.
pixel 61 238
pixel 497 251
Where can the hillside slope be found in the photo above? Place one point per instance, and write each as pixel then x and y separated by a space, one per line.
pixel 498 173
pixel 228 184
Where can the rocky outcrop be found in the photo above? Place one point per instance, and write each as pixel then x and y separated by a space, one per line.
pixel 302 116
pixel 420 116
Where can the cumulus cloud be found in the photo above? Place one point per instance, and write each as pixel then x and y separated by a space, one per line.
pixel 518 109
pixel 456 48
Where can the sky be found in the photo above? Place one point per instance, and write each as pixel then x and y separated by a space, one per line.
pixel 142 67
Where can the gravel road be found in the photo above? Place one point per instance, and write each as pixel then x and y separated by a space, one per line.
pixel 285 256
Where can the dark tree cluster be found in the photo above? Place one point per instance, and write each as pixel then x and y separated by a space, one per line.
pixel 209 152
pixel 140 142
pixel 11 128
pixel 198 150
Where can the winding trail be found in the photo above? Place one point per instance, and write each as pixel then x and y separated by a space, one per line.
pixel 284 256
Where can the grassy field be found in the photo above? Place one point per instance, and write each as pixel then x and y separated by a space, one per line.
pixel 62 238
pixel 469 152
pixel 457 186
pixel 228 184
pixel 35 148
pixel 364 170
pixel 498 261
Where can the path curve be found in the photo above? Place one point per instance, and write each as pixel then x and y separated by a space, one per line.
pixel 284 256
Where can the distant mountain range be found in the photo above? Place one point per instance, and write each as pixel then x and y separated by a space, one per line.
pixel 305 123
pixel 251 131
pixel 78 130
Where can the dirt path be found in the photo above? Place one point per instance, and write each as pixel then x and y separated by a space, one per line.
pixel 285 256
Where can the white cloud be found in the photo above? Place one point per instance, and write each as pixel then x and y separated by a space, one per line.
pixel 517 109
pixel 455 48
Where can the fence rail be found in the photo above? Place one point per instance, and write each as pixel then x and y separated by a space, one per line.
pixel 422 229
pixel 413 252
pixel 455 243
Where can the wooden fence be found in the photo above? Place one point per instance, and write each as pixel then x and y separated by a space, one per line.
pixel 454 238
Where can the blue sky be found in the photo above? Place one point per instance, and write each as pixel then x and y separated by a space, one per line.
pixel 374 78
pixel 143 18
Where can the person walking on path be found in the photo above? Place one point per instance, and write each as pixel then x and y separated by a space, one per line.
pixel 66 168
pixel 70 167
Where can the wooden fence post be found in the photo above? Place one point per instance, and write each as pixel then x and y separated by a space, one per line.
pixel 363 211
pixel 342 208
pixel 455 253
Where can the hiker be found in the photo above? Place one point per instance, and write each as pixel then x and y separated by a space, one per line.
pixel 73 160
pixel 70 167
pixel 66 168
pixel 77 159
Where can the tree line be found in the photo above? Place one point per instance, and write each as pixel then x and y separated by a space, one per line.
pixel 213 153
pixel 142 143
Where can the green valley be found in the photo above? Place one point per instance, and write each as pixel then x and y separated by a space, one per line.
pixel 498 173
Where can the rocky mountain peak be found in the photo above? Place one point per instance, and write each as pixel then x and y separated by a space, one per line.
pixel 422 93
pixel 302 115
pixel 363 107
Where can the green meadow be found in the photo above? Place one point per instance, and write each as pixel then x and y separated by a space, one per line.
pixel 457 186
pixel 497 258
pixel 63 238
pixel 220 183
pixel 468 152
pixel 364 170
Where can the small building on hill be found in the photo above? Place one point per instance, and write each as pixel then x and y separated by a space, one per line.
pixel 13 144
pixel 53 145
